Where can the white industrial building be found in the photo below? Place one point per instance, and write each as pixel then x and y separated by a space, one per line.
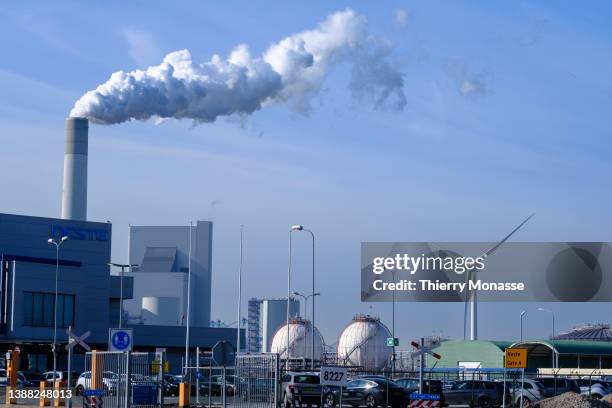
pixel 161 279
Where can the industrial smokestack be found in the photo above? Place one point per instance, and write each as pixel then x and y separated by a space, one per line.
pixel 74 191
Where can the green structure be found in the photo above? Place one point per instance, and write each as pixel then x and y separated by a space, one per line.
pixel 560 354
pixel 470 354
pixel 567 353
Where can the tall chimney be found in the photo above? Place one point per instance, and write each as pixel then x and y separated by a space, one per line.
pixel 74 190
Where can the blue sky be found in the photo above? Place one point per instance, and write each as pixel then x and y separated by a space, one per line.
pixel 508 113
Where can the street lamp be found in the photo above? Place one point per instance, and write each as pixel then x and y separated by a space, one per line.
pixel 188 311
pixel 552 340
pixel 239 293
pixel 306 297
pixel 123 267
pixel 523 313
pixel 54 348
pixel 299 227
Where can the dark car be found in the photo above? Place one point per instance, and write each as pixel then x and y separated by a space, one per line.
pixel 411 385
pixel 373 392
pixel 31 378
pixel 476 393
pixel 554 386
pixel 214 385
pixel 170 386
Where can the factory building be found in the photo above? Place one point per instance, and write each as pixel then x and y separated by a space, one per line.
pixel 88 294
pixel 265 316
pixel 161 277
pixel 85 288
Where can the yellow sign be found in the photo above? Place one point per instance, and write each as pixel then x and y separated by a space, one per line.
pixel 155 367
pixel 516 358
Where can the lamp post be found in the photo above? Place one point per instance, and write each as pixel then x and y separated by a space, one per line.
pixel 306 297
pixel 288 302
pixel 123 267
pixel 239 293
pixel 57 244
pixel 188 303
pixel 552 340
pixel 299 227
pixel 523 313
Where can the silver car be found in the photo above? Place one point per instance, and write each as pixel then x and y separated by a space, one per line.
pixel 532 391
pixel 302 388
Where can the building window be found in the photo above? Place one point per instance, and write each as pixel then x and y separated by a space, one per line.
pixel 38 309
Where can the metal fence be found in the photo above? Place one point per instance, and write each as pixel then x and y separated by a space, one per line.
pixel 118 380
pixel 258 380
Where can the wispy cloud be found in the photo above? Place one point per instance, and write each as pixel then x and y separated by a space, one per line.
pixel 400 16
pixel 142 46
pixel 469 84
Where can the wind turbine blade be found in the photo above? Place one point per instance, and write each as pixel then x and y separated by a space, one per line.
pixel 507 237
pixel 469 273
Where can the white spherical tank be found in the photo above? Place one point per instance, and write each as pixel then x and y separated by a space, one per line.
pixel 363 343
pixel 300 341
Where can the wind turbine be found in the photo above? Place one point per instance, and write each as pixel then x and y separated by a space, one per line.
pixel 470 299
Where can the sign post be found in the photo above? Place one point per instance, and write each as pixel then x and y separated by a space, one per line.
pixel 120 339
pixel 334 377
pixel 73 340
pixel 517 358
pixel 392 342
pixel 224 353
pixel 421 351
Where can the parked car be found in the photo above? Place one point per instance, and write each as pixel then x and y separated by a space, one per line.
pixel 448 384
pixel 59 375
pixel 170 386
pixel 411 385
pixel 593 387
pixel 110 381
pixel 374 392
pixel 554 386
pixel 532 391
pixel 303 387
pixel 477 393
pixel 214 385
pixel 31 378
pixel 21 382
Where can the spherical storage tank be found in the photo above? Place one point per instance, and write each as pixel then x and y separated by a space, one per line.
pixel 363 343
pixel 300 341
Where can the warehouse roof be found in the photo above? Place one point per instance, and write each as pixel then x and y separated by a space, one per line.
pixel 591 332
pixel 583 347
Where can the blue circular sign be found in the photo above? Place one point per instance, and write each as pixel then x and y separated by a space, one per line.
pixel 121 340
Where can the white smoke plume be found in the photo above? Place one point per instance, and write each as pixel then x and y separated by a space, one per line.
pixel 292 70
